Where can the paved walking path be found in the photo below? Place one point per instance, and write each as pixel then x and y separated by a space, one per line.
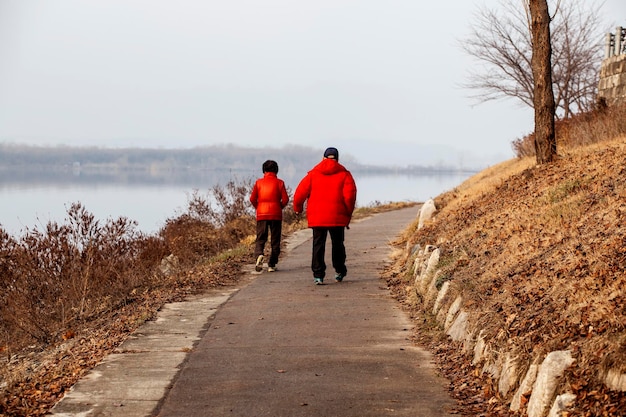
pixel 278 346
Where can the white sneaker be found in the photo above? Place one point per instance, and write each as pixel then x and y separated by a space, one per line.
pixel 259 264
pixel 271 268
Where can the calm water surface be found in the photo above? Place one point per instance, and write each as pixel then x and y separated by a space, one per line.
pixel 150 205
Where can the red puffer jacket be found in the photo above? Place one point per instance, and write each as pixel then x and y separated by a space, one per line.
pixel 269 197
pixel 331 193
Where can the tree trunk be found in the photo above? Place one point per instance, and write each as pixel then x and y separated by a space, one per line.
pixel 545 140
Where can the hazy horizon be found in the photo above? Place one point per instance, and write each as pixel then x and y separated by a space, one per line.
pixel 380 81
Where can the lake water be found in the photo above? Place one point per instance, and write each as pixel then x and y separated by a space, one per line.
pixel 32 205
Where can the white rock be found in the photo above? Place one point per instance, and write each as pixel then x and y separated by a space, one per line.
pixel 168 265
pixel 440 295
pixel 550 370
pixel 508 374
pixel 458 330
pixel 563 402
pixel 426 213
pixel 615 380
pixel 479 349
pixel 525 387
pixel 432 291
pixel 454 308
pixel 427 275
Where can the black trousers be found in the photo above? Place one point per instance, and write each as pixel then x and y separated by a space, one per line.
pixel 337 235
pixel 273 228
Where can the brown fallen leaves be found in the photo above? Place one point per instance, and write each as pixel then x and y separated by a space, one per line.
pixel 539 256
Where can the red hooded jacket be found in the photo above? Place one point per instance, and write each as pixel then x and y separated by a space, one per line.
pixel 331 193
pixel 269 197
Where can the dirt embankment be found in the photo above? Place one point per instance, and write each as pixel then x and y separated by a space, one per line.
pixel 538 256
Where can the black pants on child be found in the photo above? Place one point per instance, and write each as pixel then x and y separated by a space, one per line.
pixel 319 249
pixel 263 228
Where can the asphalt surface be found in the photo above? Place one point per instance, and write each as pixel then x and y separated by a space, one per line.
pixel 277 345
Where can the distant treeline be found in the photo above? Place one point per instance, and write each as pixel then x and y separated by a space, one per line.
pixel 30 161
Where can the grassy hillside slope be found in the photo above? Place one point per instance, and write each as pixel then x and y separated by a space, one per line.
pixel 538 256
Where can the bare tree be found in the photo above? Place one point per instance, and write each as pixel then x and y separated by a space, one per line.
pixel 576 56
pixel 543 95
pixel 501 41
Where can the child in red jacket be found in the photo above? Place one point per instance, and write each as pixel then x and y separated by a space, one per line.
pixel 269 197
pixel 330 192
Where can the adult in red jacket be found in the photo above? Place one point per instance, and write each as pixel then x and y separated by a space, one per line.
pixel 269 197
pixel 330 192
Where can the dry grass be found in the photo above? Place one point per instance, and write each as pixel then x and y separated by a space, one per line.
pixel 539 255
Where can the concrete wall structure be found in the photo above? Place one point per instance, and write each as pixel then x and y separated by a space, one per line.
pixel 612 84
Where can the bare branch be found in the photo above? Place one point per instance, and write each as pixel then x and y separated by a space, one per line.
pixel 500 41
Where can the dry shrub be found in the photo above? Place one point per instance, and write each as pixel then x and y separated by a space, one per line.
pixel 524 147
pixel 66 274
pixel 213 222
pixel 237 229
pixel 190 239
pixel 289 215
pixel 602 123
pixel 232 201
pixel 597 126
pixel 152 250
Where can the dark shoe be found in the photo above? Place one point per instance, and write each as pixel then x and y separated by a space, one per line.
pixel 339 277
pixel 259 264
pixel 318 281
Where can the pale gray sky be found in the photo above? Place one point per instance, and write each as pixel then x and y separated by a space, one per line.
pixel 374 77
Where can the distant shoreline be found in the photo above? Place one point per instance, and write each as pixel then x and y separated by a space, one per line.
pixel 19 163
